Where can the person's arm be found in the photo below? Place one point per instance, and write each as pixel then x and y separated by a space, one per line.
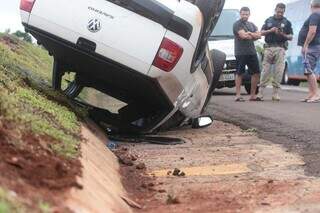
pixel 266 32
pixel 244 35
pixel 288 35
pixel 311 34
pixel 256 34
pixel 313 25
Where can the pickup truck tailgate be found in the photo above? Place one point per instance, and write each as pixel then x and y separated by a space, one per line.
pixel 120 34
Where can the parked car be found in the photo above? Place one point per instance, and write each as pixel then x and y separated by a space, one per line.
pixel 152 55
pixel 222 39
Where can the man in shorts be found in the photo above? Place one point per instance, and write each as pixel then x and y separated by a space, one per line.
pixel 309 39
pixel 246 33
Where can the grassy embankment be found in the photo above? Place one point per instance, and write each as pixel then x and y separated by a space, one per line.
pixel 28 104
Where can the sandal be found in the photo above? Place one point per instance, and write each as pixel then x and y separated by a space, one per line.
pixel 313 100
pixel 256 99
pixel 239 99
pixel 304 100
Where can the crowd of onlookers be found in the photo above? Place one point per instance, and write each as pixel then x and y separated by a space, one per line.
pixel 277 31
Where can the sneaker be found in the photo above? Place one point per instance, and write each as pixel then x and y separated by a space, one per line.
pixel 261 93
pixel 256 99
pixel 275 95
pixel 239 99
pixel 275 98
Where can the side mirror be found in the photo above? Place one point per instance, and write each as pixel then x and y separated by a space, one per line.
pixel 201 122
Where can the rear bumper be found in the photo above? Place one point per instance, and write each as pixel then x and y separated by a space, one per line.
pixel 105 75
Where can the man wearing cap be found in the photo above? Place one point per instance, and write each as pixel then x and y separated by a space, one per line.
pixel 277 31
pixel 309 40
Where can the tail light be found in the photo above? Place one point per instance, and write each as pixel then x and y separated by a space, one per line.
pixel 168 55
pixel 27 5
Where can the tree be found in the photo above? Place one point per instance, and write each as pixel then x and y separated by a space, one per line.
pixel 24 36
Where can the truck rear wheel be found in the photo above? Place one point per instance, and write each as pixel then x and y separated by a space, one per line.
pixel 73 88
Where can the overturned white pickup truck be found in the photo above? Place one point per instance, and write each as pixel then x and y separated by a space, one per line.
pixel 150 54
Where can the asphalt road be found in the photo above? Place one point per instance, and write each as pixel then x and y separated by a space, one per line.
pixel 290 123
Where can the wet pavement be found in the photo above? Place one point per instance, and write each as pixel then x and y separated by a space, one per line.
pixel 290 123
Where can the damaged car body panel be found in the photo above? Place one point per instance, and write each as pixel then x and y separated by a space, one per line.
pixel 150 54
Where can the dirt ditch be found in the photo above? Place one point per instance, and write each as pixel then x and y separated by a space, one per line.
pixel 225 169
pixel 30 169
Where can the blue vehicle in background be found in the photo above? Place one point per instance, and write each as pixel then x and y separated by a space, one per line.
pixel 297 12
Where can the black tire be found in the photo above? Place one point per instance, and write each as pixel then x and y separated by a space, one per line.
pixel 218 61
pixel 248 89
pixel 74 88
pixel 294 82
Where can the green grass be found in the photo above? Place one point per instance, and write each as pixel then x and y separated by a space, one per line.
pixel 8 204
pixel 44 207
pixel 26 98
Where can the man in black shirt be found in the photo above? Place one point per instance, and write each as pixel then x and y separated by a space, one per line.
pixel 309 39
pixel 277 31
pixel 246 33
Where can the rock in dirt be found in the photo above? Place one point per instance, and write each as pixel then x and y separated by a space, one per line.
pixel 171 199
pixel 182 174
pixel 151 184
pixel 176 172
pixel 125 160
pixel 141 166
pixel 144 185
pixel 133 157
pixel 124 149
pixel 270 182
pixel 265 204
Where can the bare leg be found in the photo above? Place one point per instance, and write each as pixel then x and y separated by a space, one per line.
pixel 310 94
pixel 254 83
pixel 313 86
pixel 238 85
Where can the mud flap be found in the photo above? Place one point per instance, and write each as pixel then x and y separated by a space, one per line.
pixel 57 73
